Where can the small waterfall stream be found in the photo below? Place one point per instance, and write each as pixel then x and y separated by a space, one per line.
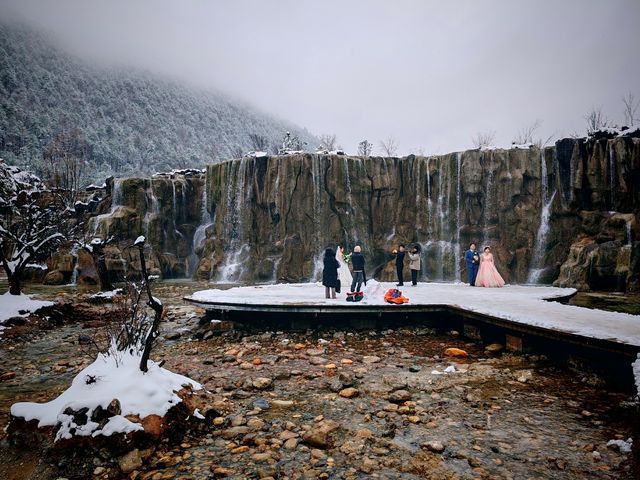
pixel 612 176
pixel 456 252
pixel 538 256
pixel 236 252
pixel 116 202
pixel 199 235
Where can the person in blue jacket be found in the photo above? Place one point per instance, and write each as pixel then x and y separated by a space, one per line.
pixel 472 259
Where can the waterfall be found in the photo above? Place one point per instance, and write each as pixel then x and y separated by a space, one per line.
pixel 628 232
pixel 116 201
pixel 429 202
pixel 175 207
pixel 487 206
pixel 236 254
pixel 153 212
pixel 200 234
pixel 612 176
pixel 456 253
pixel 317 180
pixel 537 260
pixel 351 208
pixel 544 177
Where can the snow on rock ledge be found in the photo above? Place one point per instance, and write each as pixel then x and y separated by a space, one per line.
pixel 95 390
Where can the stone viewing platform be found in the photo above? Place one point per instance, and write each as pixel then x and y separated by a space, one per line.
pixel 524 318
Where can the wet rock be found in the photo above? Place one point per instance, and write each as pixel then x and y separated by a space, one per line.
pixel 291 444
pixel 523 376
pixel 433 446
pixel 369 359
pixel 455 352
pixel 320 434
pixel 233 432
pixel 7 376
pixel 282 403
pixel 130 461
pixel 261 403
pixel 153 425
pixel 317 361
pixel 262 383
pixel 494 348
pixel 369 465
pixel 314 352
pixel 349 392
pixel 399 396
pixel 415 368
pixel 12 321
pixel 335 385
pixel 172 336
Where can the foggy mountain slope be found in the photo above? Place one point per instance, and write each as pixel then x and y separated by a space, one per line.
pixel 122 122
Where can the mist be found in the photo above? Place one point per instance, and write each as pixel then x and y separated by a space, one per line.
pixel 432 75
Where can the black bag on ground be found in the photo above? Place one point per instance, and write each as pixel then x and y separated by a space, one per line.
pixel 338 286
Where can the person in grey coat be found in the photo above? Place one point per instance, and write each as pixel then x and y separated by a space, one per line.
pixel 414 264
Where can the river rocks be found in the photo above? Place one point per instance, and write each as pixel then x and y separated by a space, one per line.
pixel 262 383
pixel 399 396
pixel 349 392
pixel 369 359
pixel 433 446
pixel 494 348
pixel 130 461
pixel 7 376
pixel 455 352
pixel 320 434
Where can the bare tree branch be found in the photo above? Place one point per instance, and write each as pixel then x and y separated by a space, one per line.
pixel 596 120
pixel 389 146
pixel 484 139
pixel 631 106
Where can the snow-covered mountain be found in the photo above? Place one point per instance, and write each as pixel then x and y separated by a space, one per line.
pixel 122 122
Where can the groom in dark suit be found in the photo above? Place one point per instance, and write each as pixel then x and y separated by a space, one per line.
pixel 472 259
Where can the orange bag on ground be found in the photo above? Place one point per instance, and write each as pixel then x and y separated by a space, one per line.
pixel 394 295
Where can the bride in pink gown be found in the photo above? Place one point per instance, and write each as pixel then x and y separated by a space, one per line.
pixel 488 276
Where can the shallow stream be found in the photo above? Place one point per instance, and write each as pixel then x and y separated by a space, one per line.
pixel 495 416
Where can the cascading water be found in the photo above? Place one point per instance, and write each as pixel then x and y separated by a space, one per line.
pixel 175 207
pixel 612 175
pixel 116 202
pixel 487 205
pixel 200 234
pixel 628 232
pixel 429 201
pixel 237 253
pixel 152 210
pixel 537 258
pixel 351 206
pixel 456 253
pixel 318 189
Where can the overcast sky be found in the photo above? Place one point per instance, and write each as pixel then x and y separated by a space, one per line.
pixel 431 74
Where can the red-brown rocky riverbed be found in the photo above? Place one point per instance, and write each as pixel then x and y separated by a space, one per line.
pixel 346 404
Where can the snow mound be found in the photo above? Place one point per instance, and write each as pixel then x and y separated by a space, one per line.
pixel 109 377
pixel 14 305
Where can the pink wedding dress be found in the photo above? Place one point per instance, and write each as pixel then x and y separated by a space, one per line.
pixel 488 276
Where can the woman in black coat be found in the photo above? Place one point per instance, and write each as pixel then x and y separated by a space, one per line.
pixel 330 273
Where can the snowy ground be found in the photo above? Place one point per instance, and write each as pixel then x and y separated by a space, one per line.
pixel 17 305
pixel 114 376
pixel 516 303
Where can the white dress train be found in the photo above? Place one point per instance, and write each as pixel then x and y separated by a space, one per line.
pixel 344 275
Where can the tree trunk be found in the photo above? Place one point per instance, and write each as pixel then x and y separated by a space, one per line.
pixel 14 284
pixel 157 309
pixel 101 268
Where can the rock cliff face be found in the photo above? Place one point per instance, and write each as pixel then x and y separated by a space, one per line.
pixel 165 209
pixel 567 213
